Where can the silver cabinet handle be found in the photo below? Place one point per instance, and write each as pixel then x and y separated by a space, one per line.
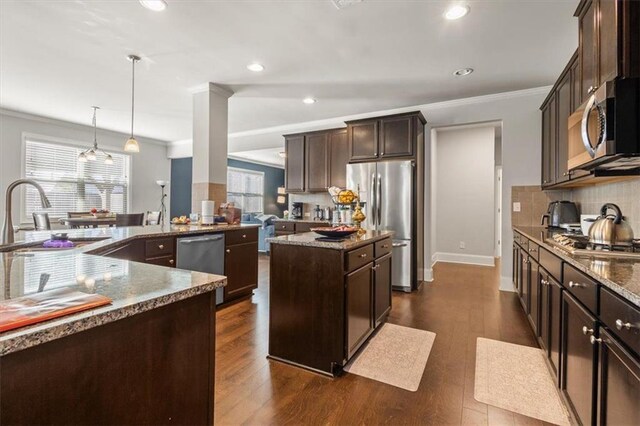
pixel 171 261
pixel 161 246
pixel 544 282
pixel 363 255
pixel 587 331
pixel 228 250
pixel 592 89
pixel 399 244
pixel 594 340
pixel 532 250
pixel 626 325
pixel 244 235
pixel 575 285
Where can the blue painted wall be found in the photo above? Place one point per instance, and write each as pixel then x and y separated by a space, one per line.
pixel 181 179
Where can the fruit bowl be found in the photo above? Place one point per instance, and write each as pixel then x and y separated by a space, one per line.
pixel 101 215
pixel 337 232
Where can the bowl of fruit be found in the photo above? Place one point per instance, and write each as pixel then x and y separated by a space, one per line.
pixel 182 220
pixel 100 213
pixel 336 232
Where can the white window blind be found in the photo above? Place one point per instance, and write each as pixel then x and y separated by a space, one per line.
pixel 245 188
pixel 70 185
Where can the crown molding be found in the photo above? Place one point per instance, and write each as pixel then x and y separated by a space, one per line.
pixel 260 163
pixel 213 88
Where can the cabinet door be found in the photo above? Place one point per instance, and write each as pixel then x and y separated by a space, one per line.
pixel 579 359
pixel 241 269
pixel 526 281
pixel 396 137
pixel 294 164
pixel 317 162
pixel 534 294
pixel 607 40
pixel 339 148
pixel 575 84
pixel 382 288
pixel 588 50
pixel 550 319
pixel 363 141
pixel 563 96
pixel 359 307
pixel 515 266
pixel 549 143
pixel 133 251
pixel 618 383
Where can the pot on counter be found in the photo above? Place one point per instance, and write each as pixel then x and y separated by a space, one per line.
pixel 611 230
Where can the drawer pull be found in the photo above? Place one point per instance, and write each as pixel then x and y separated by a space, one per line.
pixel 228 250
pixel 363 255
pixel 244 235
pixel 385 246
pixel 171 261
pixel 626 325
pixel 594 340
pixel 532 250
pixel 161 246
pixel 544 282
pixel 398 245
pixel 284 226
pixel 575 285
pixel 587 331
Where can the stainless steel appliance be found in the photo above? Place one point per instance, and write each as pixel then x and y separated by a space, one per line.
pixel 297 210
pixel 610 230
pixel 604 133
pixel 560 214
pixel 204 253
pixel 579 245
pixel 389 195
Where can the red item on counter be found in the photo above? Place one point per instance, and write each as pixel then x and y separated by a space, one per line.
pixel 39 307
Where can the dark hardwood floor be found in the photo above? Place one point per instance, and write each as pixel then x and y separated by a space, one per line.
pixel 462 304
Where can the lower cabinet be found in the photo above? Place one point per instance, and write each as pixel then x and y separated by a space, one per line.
pixel 382 288
pixel 359 307
pixel 525 280
pixel 618 383
pixel 241 269
pixel 534 294
pixel 579 357
pixel 550 319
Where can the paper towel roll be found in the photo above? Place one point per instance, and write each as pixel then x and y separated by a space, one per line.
pixel 208 209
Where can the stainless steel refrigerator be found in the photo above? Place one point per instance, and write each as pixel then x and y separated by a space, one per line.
pixel 388 190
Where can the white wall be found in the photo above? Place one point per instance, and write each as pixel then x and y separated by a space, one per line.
pixel 464 195
pixel 521 123
pixel 147 166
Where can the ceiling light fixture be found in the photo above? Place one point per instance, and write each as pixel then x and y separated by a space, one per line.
pixel 132 144
pixel 255 67
pixel 155 5
pixel 91 154
pixel 309 100
pixel 462 72
pixel 456 12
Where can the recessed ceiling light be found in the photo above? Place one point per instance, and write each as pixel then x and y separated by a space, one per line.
pixel 462 72
pixel 255 67
pixel 155 5
pixel 456 12
pixel 309 101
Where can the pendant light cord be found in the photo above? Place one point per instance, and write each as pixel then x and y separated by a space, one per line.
pixel 95 129
pixel 133 87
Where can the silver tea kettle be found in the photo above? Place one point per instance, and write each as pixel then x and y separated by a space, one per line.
pixel 611 230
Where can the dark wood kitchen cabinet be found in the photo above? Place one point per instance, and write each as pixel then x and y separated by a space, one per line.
pixel 587 47
pixel 359 307
pixel 339 158
pixel 382 289
pixel 563 109
pixel 526 281
pixel 579 358
pixel 380 138
pixel 241 263
pixel 317 162
pixel 534 294
pixel 294 163
pixel 549 331
pixel 549 132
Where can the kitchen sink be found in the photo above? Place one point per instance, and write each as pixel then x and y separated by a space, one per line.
pixel 37 247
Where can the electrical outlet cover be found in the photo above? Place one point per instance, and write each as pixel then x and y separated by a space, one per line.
pixel 516 206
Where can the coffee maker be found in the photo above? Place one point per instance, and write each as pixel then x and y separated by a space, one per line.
pixel 296 210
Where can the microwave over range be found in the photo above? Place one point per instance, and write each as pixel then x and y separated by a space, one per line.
pixel 604 133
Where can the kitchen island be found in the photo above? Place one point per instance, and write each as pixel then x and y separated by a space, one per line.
pixel 146 358
pixel 327 298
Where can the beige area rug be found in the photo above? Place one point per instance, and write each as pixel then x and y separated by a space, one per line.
pixel 516 378
pixel 396 356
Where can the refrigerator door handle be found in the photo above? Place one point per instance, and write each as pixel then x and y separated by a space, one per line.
pixel 373 192
pixel 379 200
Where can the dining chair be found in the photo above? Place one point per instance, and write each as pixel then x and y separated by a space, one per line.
pixel 129 219
pixel 153 218
pixel 71 215
pixel 41 221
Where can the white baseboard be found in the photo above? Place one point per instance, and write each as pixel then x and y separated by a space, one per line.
pixel 506 284
pixel 469 259
pixel 427 274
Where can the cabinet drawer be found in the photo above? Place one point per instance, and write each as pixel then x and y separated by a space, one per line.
pixel 306 226
pixel 285 226
pixel 523 241
pixel 157 247
pixel 241 236
pixel 551 263
pixel 281 233
pixel 359 257
pixel 534 251
pixel 581 287
pixel 162 261
pixel 382 247
pixel 622 318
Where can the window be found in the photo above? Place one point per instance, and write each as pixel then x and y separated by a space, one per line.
pixel 72 186
pixel 245 188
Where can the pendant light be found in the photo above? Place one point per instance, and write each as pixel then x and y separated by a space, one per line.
pixel 132 144
pixel 91 154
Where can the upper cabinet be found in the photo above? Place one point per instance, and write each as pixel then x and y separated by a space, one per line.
pixel 316 160
pixel 380 138
pixel 587 48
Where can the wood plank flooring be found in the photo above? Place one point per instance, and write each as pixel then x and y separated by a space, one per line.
pixel 462 304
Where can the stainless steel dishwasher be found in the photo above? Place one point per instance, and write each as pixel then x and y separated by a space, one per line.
pixel 203 253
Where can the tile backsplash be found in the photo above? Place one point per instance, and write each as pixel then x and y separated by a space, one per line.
pixel 310 201
pixel 533 201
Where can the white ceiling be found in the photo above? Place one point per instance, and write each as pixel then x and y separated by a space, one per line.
pixel 58 58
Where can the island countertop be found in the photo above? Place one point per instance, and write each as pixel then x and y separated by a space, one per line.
pixel 309 239
pixel 134 287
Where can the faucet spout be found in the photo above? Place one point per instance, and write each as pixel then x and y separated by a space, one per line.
pixel 7 226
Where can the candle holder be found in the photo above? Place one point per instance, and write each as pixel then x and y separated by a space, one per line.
pixel 358 217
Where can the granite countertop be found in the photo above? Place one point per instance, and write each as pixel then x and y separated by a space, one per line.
pixel 620 275
pixel 302 220
pixel 308 239
pixel 134 287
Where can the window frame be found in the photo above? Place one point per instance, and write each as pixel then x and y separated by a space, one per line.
pixel 250 171
pixel 52 140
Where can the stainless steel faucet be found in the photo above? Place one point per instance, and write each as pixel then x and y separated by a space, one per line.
pixel 7 226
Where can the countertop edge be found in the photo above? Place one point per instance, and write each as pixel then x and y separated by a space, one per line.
pixel 567 257
pixel 328 245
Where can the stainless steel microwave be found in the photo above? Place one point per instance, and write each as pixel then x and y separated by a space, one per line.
pixel 604 133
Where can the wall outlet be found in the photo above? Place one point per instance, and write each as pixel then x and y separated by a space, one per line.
pixel 463 245
pixel 516 206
